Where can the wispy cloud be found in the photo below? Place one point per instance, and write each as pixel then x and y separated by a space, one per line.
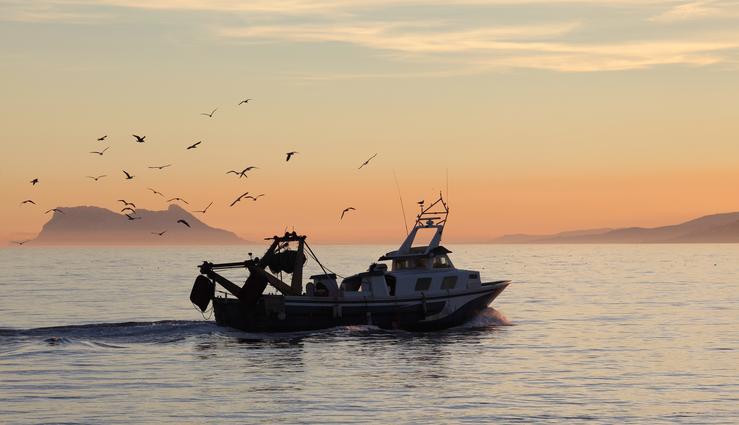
pixel 689 11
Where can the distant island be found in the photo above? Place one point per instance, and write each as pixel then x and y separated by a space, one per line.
pixel 716 228
pixel 88 225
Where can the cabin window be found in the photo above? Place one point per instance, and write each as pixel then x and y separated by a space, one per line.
pixel 402 264
pixel 442 262
pixel 474 276
pixel 390 281
pixel 423 283
pixel 420 263
pixel 449 282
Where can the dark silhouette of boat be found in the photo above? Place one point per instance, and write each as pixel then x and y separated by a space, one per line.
pixel 422 290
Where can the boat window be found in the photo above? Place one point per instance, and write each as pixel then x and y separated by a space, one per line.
pixel 441 262
pixel 420 263
pixel 449 282
pixel 390 281
pixel 474 276
pixel 423 283
pixel 402 264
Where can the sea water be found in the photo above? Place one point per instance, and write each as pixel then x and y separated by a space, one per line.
pixel 586 333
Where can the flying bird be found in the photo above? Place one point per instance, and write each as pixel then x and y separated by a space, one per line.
pixel 56 210
pixel 101 152
pixel 159 233
pixel 28 201
pixel 367 161
pixel 290 155
pixel 160 167
pixel 345 211
pixel 243 172
pixel 178 199
pixel 204 210
pixel 139 139
pixel 34 181
pixel 98 177
pixel 100 139
pixel 127 203
pixel 132 218
pixel 128 176
pixel 209 115
pixel 183 222
pixel 156 192
pixel 238 199
pixel 21 242
pixel 244 101
pixel 194 145
pixel 254 198
pixel 133 211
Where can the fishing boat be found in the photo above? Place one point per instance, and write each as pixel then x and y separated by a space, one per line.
pixel 415 287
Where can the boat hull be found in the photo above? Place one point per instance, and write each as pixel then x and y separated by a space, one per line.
pixel 277 313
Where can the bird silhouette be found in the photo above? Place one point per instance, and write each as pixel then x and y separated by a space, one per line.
pixel 139 139
pixel 244 101
pixel 209 115
pixel 159 233
pixel 238 199
pixel 290 155
pixel 243 172
pixel 347 209
pixel 254 198
pixel 156 192
pixel 101 152
pixel 178 199
pixel 34 181
pixel 132 218
pixel 21 242
pixel 125 203
pixel 367 161
pixel 160 167
pixel 128 176
pixel 28 201
pixel 194 145
pixel 183 222
pixel 100 139
pixel 133 211
pixel 204 210
pixel 56 210
pixel 98 177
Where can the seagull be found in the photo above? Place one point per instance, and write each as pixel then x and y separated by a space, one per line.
pixel 209 115
pixel 178 199
pixel 139 139
pixel 345 211
pixel 243 172
pixel 133 211
pixel 98 177
pixel 194 145
pixel 34 181
pixel 156 192
pixel 290 155
pixel 159 233
pixel 205 210
pixel 21 242
pixel 132 218
pixel 101 152
pixel 56 210
pixel 244 101
pixel 127 203
pixel 367 161
pixel 128 176
pixel 100 139
pixel 28 201
pixel 160 167
pixel 238 199
pixel 183 222
pixel 254 198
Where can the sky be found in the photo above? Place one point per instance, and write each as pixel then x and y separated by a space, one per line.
pixel 545 115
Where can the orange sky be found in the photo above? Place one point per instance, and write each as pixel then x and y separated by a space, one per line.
pixel 542 126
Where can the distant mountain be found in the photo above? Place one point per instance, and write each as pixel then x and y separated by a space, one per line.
pixel 718 228
pixel 87 225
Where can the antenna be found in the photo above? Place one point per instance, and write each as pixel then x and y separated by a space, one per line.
pixel 447 185
pixel 402 208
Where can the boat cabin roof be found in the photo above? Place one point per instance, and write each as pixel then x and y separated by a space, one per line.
pixel 415 252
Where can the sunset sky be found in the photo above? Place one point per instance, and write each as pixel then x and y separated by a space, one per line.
pixel 548 115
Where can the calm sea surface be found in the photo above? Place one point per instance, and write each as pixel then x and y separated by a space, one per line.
pixel 609 334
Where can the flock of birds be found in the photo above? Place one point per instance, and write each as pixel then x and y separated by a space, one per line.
pixel 129 208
